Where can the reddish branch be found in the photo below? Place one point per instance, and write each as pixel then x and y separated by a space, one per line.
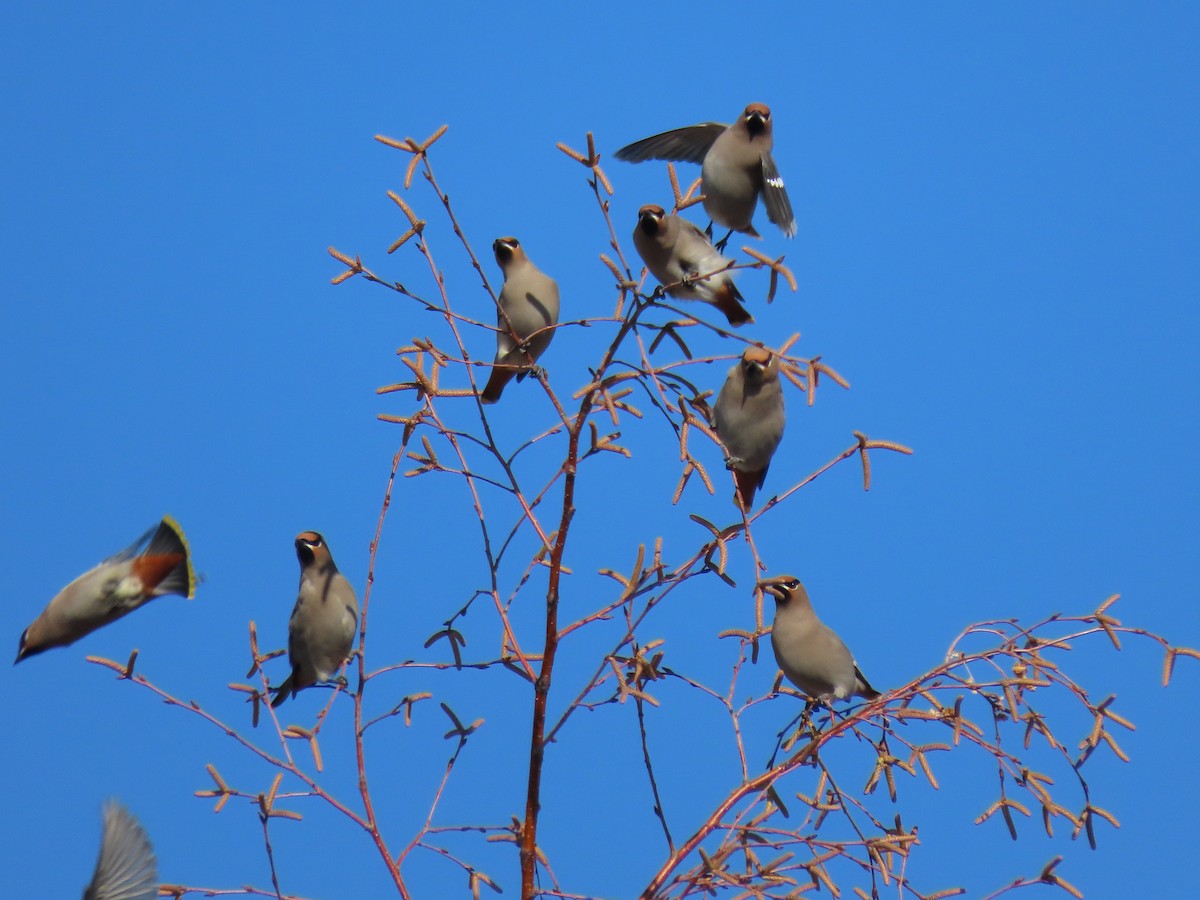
pixel 364 788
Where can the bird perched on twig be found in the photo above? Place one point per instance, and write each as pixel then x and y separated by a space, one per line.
pixel 736 167
pixel 126 869
pixel 679 254
pixel 808 651
pixel 749 419
pixel 525 319
pixel 156 564
pixel 324 619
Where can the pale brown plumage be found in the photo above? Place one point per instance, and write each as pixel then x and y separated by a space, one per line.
pixel 156 564
pixel 680 255
pixel 525 319
pixel 808 651
pixel 749 419
pixel 736 167
pixel 324 619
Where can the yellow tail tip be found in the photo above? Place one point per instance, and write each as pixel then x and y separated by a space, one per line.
pixel 187 552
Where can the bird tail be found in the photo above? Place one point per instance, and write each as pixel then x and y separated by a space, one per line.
pixel 126 867
pixel 165 566
pixel 717 287
pixel 282 692
pixel 863 688
pixel 726 299
pixel 747 484
pixel 501 376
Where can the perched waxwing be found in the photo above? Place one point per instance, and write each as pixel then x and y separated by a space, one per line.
pixel 324 619
pixel 155 564
pixel 736 166
pixel 126 869
pixel 677 252
pixel 808 651
pixel 748 418
pixel 528 310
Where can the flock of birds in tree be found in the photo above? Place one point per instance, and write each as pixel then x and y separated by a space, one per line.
pixel 737 169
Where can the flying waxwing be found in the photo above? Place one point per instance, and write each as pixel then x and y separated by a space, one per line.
pixel 808 651
pixel 155 564
pixel 674 250
pixel 324 619
pixel 126 869
pixel 528 309
pixel 736 167
pixel 748 418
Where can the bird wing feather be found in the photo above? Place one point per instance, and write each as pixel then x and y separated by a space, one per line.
pixel 775 197
pixel 126 869
pixel 688 144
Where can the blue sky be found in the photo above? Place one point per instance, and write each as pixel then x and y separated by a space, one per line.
pixel 997 247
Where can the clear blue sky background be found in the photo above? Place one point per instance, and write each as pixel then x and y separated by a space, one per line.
pixel 997 246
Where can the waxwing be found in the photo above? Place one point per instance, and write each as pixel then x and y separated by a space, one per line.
pixel 157 563
pixel 749 419
pixel 736 166
pixel 679 254
pixel 324 619
pixel 809 652
pixel 525 319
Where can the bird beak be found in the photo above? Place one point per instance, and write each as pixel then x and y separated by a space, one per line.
pixel 504 251
pixel 306 551
pixel 756 122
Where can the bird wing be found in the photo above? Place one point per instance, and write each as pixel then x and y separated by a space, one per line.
pixel 775 198
pixel 126 869
pixel 133 549
pixel 700 257
pixel 762 474
pixel 867 691
pixel 693 230
pixel 682 145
